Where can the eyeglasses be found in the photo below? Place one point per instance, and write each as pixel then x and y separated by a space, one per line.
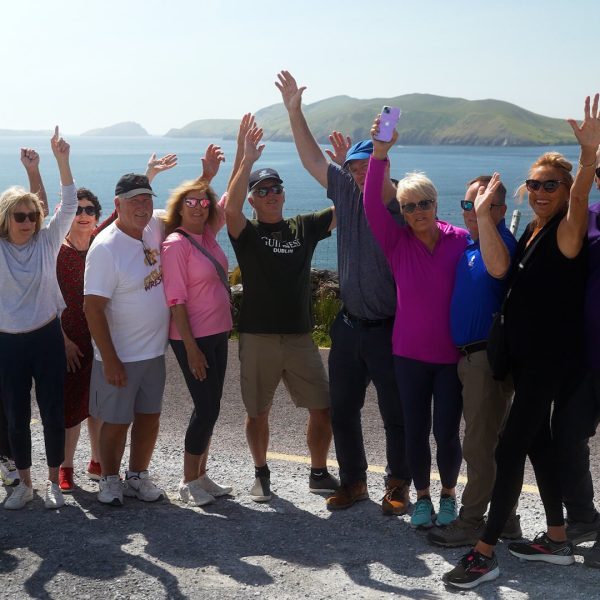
pixel 149 254
pixel 550 185
pixel 88 210
pixel 20 217
pixel 469 205
pixel 598 172
pixel 410 207
pixel 265 191
pixel 193 202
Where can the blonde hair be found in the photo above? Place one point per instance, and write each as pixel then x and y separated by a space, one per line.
pixel 10 198
pixel 416 183
pixel 554 160
pixel 172 218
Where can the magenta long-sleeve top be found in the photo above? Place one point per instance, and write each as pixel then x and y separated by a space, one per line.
pixel 424 279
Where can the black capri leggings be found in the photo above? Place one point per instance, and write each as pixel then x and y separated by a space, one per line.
pixel 206 394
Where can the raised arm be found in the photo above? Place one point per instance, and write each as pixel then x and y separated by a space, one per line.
pixel 238 188
pixel 572 229
pixel 61 151
pixel 310 153
pixel 31 161
pixel 494 252
pixel 158 165
pixel 211 161
pixel 246 124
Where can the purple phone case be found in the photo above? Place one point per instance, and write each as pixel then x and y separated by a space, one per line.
pixel 387 123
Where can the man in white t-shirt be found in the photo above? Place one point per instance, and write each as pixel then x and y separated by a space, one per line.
pixel 129 320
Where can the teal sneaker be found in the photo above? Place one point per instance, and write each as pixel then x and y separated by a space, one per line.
pixel 447 513
pixel 423 514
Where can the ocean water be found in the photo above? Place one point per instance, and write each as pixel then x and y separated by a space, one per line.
pixel 97 163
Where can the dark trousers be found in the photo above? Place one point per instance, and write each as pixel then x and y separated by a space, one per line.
pixel 39 356
pixel 4 443
pixel 359 354
pixel 574 421
pixel 417 383
pixel 528 433
pixel 206 395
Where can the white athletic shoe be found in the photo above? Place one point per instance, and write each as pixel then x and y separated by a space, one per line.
pixel 193 493
pixel 21 495
pixel 8 472
pixel 111 490
pixel 214 489
pixel 54 496
pixel 142 487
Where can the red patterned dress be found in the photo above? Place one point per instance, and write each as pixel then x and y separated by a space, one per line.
pixel 70 267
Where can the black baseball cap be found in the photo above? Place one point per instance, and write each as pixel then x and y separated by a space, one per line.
pixel 131 185
pixel 260 175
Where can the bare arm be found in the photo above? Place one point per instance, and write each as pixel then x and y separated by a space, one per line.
pixel 197 362
pixel 61 151
pixel 31 161
pixel 572 229
pixel 246 124
pixel 310 153
pixel 94 308
pixel 158 165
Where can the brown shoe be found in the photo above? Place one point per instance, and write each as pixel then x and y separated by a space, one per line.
pixel 396 500
pixel 347 495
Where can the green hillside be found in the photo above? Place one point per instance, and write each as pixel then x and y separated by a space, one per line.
pixel 426 119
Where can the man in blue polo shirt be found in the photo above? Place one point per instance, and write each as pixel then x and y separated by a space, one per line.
pixel 477 296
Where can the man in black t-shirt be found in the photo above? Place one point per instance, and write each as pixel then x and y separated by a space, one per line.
pixel 274 255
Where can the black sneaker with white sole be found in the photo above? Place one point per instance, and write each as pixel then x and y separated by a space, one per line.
pixel 325 484
pixel 579 532
pixel 472 570
pixel 543 549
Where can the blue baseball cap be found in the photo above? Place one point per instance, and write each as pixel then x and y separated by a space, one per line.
pixel 359 151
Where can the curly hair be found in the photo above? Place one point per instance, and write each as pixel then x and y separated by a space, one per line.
pixel 13 196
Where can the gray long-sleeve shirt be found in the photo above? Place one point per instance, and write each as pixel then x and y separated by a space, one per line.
pixel 30 296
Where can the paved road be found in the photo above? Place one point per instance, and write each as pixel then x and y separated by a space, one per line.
pixel 290 548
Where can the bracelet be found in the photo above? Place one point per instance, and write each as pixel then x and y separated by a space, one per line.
pixel 586 166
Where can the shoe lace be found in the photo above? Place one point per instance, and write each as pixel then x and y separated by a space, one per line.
pixel 447 505
pixel 423 505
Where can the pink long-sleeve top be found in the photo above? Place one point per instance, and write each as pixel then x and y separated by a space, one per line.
pixel 424 279
pixel 190 278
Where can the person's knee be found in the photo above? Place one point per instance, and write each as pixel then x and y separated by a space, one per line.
pixel 320 416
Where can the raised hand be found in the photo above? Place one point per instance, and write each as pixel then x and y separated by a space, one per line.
pixel 158 165
pixel 252 146
pixel 588 134
pixel 246 124
pixel 60 148
pixel 290 92
pixel 213 157
pixel 30 158
pixel 485 196
pixel 381 149
pixel 340 145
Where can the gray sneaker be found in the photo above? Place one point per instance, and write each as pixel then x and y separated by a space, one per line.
pixel 579 532
pixel 512 529
pixel 261 490
pixel 327 484
pixel 457 533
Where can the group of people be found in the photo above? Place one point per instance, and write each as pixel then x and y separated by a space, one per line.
pixel 88 310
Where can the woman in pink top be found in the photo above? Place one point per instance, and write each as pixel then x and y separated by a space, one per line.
pixel 423 258
pixel 200 324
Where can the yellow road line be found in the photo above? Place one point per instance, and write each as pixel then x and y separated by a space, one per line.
pixel 530 489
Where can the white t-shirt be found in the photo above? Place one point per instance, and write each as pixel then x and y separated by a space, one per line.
pixel 129 273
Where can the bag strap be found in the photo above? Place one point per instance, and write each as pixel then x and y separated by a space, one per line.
pixel 219 268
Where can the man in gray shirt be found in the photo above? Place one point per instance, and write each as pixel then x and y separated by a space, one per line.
pixel 361 334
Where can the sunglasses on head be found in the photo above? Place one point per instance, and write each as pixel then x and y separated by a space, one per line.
pixel 264 191
pixel 469 205
pixel 20 217
pixel 550 185
pixel 410 207
pixel 88 210
pixel 193 202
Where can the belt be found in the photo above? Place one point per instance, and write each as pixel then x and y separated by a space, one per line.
pixel 471 348
pixel 367 322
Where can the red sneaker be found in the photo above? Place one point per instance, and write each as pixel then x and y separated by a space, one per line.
pixel 94 470
pixel 65 479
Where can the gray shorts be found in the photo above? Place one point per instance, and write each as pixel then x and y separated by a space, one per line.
pixel 142 394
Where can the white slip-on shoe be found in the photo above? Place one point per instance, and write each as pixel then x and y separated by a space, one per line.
pixel 54 496
pixel 21 495
pixel 214 489
pixel 193 493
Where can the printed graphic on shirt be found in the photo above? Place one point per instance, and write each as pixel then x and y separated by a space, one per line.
pixel 278 246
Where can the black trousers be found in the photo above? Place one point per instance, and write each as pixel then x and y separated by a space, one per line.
pixel 4 443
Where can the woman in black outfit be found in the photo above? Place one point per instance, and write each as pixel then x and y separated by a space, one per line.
pixel 544 331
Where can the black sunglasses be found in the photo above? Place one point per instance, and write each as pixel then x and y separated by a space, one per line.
pixel 263 192
pixel 550 185
pixel 410 207
pixel 21 216
pixel 598 172
pixel 469 205
pixel 88 210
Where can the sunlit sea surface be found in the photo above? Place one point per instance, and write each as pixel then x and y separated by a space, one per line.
pixel 98 163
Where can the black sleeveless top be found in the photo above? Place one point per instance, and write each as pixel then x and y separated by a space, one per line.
pixel 544 310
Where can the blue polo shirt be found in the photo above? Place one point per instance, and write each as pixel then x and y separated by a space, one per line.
pixel 477 295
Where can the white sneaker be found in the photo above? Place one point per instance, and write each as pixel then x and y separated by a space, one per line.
pixel 21 495
pixel 54 496
pixel 193 493
pixel 142 487
pixel 214 489
pixel 8 472
pixel 111 490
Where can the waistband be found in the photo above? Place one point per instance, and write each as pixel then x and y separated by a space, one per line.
pixel 367 322
pixel 471 348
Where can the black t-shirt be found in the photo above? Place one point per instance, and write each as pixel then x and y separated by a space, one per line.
pixel 275 259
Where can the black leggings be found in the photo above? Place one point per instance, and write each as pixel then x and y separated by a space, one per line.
pixel 206 394
pixel 528 433
pixel 37 355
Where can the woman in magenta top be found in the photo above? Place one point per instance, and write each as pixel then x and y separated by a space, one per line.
pixel 423 256
pixel 200 324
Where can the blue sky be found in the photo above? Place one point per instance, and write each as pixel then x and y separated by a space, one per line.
pixel 91 64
